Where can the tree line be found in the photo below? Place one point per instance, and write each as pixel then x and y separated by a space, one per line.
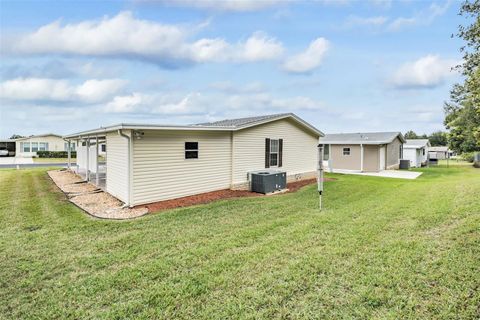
pixel 462 111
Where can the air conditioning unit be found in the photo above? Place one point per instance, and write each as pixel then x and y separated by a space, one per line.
pixel 268 181
pixel 404 164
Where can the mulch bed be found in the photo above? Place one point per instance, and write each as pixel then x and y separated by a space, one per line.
pixel 220 195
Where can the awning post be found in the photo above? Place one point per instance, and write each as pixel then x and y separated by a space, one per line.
pixel 97 176
pixel 88 160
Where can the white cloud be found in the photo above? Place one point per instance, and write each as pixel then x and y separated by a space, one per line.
pixel 426 72
pixel 424 17
pixel 125 36
pixel 40 89
pixel 353 21
pixel 229 5
pixel 195 103
pixel 310 59
pixel 261 47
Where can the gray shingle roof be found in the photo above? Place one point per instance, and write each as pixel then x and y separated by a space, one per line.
pixel 416 143
pixel 439 149
pixel 223 125
pixel 361 138
pixel 240 122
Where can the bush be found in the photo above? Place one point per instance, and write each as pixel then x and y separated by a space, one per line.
pixel 468 156
pixel 55 154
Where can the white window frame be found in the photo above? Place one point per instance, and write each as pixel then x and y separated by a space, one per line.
pixel 274 152
pixel 43 146
pixel 349 151
pixel 24 144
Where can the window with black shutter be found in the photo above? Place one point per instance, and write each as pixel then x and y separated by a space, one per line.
pixel 273 152
pixel 191 150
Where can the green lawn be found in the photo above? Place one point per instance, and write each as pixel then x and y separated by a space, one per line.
pixel 383 248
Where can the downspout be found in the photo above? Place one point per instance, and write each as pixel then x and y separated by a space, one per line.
pixel 128 165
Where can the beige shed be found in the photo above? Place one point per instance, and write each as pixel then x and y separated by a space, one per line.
pixel 363 152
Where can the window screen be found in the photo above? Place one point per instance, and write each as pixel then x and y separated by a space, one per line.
pixel 191 150
pixel 273 152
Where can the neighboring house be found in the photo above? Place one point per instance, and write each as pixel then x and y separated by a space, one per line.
pixel 440 153
pixel 365 152
pixel 28 147
pixel 416 150
pixel 150 163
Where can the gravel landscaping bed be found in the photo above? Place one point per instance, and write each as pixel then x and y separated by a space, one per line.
pixel 92 199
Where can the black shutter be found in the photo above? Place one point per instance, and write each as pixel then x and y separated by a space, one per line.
pixel 267 153
pixel 280 152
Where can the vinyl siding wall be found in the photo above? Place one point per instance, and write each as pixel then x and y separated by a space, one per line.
pixel 161 172
pixel 299 150
pixel 117 166
pixel 339 161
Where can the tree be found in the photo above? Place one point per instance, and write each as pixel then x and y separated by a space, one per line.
pixel 462 112
pixel 438 138
pixel 16 136
pixel 410 134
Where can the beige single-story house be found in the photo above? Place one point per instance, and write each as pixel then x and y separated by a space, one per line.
pixel 148 163
pixel 28 146
pixel 416 150
pixel 363 152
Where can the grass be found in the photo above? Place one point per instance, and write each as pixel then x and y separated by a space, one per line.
pixel 382 248
pixel 52 160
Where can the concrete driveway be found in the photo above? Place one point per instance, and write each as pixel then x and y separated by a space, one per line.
pixel 399 174
pixel 15 160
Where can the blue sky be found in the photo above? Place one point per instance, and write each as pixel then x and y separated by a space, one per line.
pixel 344 66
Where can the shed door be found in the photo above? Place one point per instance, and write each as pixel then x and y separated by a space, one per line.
pixel 382 158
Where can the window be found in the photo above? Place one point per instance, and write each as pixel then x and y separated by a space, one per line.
pixel 191 150
pixel 423 151
pixel 104 147
pixel 273 153
pixel 346 151
pixel 43 146
pixel 72 146
pixel 34 146
pixel 326 152
pixel 400 150
pixel 25 146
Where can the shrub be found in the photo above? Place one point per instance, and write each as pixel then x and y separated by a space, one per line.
pixel 55 154
pixel 467 156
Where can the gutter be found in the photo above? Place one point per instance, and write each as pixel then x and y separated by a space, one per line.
pixel 128 165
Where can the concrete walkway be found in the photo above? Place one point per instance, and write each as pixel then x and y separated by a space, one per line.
pixel 399 174
pixel 15 160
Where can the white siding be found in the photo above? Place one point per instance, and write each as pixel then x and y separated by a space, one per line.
pixel 299 149
pixel 161 172
pixel 412 155
pixel 117 166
